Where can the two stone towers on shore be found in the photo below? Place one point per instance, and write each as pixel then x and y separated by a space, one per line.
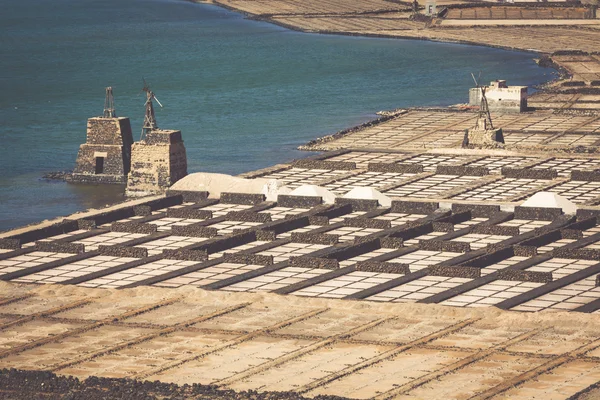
pixel 109 154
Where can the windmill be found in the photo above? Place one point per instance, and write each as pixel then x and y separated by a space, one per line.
pixel 149 118
pixel 109 104
pixel 484 119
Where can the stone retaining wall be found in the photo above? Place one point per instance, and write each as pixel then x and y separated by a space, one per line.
pixel 315 238
pixel 395 168
pixel 477 210
pixel 443 245
pixel 537 213
pixel 329 165
pixel 194 230
pixel 314 262
pixel 60 247
pixel 123 251
pixel 252 259
pixel 455 271
pixel 133 227
pixel 529 173
pixel 414 207
pixel 248 216
pixel 358 204
pixel 461 170
pixel 524 276
pixel 383 267
pixel 369 223
pixel 284 200
pixel 189 213
pixel 189 196
pixel 185 255
pixel 250 199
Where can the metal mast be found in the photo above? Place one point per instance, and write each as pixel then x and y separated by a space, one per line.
pixel 109 104
pixel 149 118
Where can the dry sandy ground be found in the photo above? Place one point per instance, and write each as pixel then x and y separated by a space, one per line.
pixel 310 346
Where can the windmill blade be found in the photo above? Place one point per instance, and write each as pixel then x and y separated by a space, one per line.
pixel 474 80
pixel 161 106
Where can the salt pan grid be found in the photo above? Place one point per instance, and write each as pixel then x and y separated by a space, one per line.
pixel 74 269
pixel 566 298
pixel 364 257
pixel 491 293
pixel 363 158
pixel 346 285
pixel 397 219
pixel 25 261
pixel 295 177
pixel 431 187
pixel 426 236
pixel 209 275
pixel 348 233
pixel 480 240
pixel 418 289
pixel 431 161
pixel 285 251
pixel 225 227
pixel 564 166
pixel 276 280
pixel 578 191
pixel 502 190
pixel 525 225
pixel 420 259
pixel 495 164
pixel 502 264
pixel 278 213
pixel 376 180
pixel 221 209
pixel 236 249
pixel 561 267
pixel 165 224
pixel 108 239
pixel 170 243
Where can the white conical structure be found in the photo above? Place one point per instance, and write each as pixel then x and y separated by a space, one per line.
pixel 368 193
pixel 315 191
pixel 549 199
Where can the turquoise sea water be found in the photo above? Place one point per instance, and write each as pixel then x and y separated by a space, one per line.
pixel 244 93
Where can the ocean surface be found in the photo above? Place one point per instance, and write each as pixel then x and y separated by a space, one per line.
pixel 244 93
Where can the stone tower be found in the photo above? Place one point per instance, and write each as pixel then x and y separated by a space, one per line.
pixel 158 160
pixel 105 157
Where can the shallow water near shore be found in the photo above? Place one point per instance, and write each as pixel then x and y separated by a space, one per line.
pixel 244 93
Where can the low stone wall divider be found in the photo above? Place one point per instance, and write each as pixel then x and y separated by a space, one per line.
pixel 142 210
pixel 488 259
pixel 286 200
pixel 227 242
pixel 477 210
pixel 133 227
pixel 461 170
pixel 189 213
pixel 537 213
pixel 529 173
pixel 314 262
pixel 370 223
pixel 320 220
pixel 286 224
pixel 185 255
pixel 253 259
pixel 356 249
pixel 266 236
pixel 412 231
pixel 441 245
pixel 584 222
pixel 193 230
pixel 189 196
pixel 164 202
pixel 524 276
pixel 590 176
pixel 383 267
pixel 59 228
pixel 358 204
pixel 414 207
pixel 525 251
pixel 105 218
pixel 336 211
pixel 330 165
pixel 60 247
pixel 443 226
pixel 248 216
pixel 123 251
pixel 581 254
pixel 397 168
pixel 315 238
pixel 455 271
pixel 496 230
pixel 574 234
pixel 242 198
pixel 391 242
pixel 10 244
